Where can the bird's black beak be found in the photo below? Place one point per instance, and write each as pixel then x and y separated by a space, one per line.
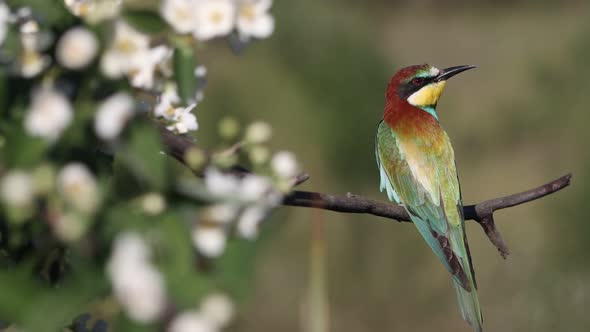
pixel 447 73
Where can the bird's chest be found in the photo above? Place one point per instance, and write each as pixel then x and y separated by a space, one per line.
pixel 422 153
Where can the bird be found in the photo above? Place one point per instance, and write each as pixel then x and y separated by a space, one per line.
pixel 417 170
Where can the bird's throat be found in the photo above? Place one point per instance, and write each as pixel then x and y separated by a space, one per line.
pixel 430 110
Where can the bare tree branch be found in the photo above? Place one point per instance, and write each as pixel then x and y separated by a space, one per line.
pixel 483 212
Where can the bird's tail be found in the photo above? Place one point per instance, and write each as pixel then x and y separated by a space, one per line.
pixel 469 305
pixel 468 300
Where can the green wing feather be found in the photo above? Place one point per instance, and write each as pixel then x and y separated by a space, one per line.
pixel 419 173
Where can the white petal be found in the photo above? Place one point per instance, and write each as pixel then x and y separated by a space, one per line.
pixel 222 213
pixel 220 184
pixel 179 14
pixel 214 18
pixel 254 187
pixel 249 220
pixel 76 48
pixel 219 309
pixel 284 164
pixel 144 65
pixel 191 321
pixel 112 115
pixel 49 115
pixel 165 107
pixel 16 188
pixel 78 185
pixel 139 287
pixel 259 27
pixel 113 65
pixel 210 241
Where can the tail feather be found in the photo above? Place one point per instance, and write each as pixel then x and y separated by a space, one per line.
pixel 469 306
pixel 467 297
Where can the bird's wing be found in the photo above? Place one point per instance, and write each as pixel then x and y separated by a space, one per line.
pixel 422 177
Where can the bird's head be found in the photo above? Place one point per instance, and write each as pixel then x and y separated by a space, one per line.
pixel 421 85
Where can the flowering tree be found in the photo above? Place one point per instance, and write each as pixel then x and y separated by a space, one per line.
pixel 100 226
pixel 96 216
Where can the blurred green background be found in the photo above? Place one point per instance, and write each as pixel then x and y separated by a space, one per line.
pixel 519 120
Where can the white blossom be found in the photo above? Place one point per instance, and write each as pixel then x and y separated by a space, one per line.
pixel 254 187
pixel 112 115
pixel 284 164
pixel 77 48
pixel 144 298
pixel 219 184
pixel 180 14
pixel 181 119
pixel 218 308
pixel 222 213
pixel 247 224
pixel 69 227
pixel 32 63
pixel 129 248
pixel 17 188
pixel 214 18
pixel 144 65
pixel 138 285
pixel 4 19
pixel 128 44
pixel 184 120
pixel 153 203
pixel 165 106
pixel 78 186
pixel 201 71
pixel 191 321
pixel 254 20
pixel 49 115
pixel 258 132
pixel 209 240
pixel 94 11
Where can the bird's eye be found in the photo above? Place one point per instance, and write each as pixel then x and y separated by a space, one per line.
pixel 418 81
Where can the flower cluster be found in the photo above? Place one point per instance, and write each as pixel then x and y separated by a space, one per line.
pixel 207 19
pixel 73 196
pixel 130 54
pixel 178 119
pixel 215 312
pixel 242 200
pixel 138 285
pixel 85 168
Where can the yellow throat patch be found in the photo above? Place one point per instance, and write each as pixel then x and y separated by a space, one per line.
pixel 428 95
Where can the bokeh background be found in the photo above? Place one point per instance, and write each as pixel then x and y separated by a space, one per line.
pixel 519 120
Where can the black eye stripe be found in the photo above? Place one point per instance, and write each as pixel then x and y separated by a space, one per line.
pixel 418 81
pixel 406 89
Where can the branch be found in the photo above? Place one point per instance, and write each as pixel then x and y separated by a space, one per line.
pixel 483 212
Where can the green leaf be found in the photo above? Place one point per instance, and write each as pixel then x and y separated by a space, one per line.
pixel 52 12
pixel 184 71
pixel 35 306
pixel 143 157
pixel 145 21
pixel 21 150
pixel 175 255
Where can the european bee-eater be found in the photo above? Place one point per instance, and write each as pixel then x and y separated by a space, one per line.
pixel 417 168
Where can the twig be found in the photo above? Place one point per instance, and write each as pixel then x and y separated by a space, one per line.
pixel 483 212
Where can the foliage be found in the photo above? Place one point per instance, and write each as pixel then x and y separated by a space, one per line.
pixel 96 217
